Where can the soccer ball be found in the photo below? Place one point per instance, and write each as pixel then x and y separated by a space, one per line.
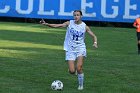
pixel 57 85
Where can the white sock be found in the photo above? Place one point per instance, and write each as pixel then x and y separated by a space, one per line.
pixel 81 79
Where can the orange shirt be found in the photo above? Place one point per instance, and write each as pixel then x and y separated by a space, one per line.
pixel 137 23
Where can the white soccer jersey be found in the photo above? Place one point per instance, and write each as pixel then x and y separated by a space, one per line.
pixel 75 35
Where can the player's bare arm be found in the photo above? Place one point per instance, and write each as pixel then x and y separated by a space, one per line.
pixel 94 38
pixel 135 24
pixel 65 24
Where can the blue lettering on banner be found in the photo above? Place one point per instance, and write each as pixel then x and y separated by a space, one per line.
pixel 93 10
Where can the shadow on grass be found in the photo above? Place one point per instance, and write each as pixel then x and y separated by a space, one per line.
pixel 34 37
pixel 32 54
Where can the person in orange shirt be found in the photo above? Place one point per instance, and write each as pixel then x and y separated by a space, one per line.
pixel 136 24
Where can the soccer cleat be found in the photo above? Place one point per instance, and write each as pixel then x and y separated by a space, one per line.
pixel 80 87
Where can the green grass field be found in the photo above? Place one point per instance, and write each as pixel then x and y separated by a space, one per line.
pixel 32 56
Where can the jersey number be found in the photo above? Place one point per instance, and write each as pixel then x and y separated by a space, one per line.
pixel 75 37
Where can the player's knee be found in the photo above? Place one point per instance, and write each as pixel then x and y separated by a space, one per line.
pixel 79 69
pixel 72 71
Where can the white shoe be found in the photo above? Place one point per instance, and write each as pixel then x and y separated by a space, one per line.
pixel 80 87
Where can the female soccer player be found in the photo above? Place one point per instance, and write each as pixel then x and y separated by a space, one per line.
pixel 136 24
pixel 74 44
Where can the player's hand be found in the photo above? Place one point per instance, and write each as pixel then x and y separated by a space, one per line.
pixel 95 45
pixel 138 26
pixel 42 21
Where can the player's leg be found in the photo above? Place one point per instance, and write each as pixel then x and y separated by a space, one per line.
pixel 138 46
pixel 71 65
pixel 138 36
pixel 80 61
pixel 71 57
